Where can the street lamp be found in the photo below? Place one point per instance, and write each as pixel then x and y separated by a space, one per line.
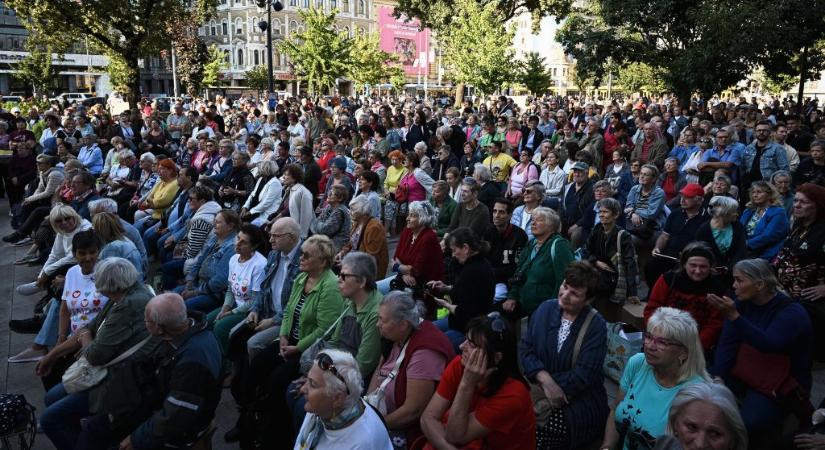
pixel 266 26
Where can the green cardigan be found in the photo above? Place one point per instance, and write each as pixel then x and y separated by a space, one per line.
pixel 543 275
pixel 369 349
pixel 445 215
pixel 323 305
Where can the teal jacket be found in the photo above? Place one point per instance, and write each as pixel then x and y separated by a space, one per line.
pixel 542 274
pixel 323 305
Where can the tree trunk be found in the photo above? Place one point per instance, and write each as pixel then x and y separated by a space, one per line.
pixel 133 96
pixel 459 95
pixel 803 68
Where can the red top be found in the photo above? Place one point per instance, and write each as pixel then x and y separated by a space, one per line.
pixel 669 186
pixel 323 161
pixel 424 255
pixel 510 424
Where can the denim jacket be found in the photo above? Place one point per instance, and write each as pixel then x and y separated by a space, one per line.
pixel 210 272
pixel 773 158
pixel 263 302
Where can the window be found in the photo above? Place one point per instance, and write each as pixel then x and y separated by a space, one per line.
pixel 345 6
pixel 276 27
pixel 319 4
pixel 333 4
pixel 240 57
pixel 224 28
pixel 238 26
pixel 306 3
pixel 293 3
pixel 255 58
pixel 361 7
pixel 213 30
pixel 276 59
pixel 227 56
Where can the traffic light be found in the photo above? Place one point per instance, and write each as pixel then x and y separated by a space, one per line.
pixel 261 3
pixel 277 6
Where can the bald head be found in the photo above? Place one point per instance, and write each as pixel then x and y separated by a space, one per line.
pixel 165 313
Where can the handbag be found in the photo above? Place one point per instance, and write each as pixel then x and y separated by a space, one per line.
pixel 376 399
pixel 309 355
pixel 401 193
pixel 82 375
pixel 620 347
pixel 620 293
pixel 541 404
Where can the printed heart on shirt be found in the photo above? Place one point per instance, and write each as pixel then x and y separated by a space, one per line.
pixel 84 303
pixel 76 294
pixel 96 302
pixel 74 303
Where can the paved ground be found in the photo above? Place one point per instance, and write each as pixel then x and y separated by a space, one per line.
pixel 19 378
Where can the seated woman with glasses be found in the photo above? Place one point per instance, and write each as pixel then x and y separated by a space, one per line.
pixel 672 358
pixel 338 418
pixel 480 401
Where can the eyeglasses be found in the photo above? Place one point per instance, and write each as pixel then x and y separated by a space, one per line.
pixel 660 342
pixel 343 276
pixel 326 364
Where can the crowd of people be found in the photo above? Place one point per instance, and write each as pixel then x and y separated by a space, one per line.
pixel 391 273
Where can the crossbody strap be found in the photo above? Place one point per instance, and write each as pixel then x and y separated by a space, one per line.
pixel 580 338
pixel 129 352
pixel 334 324
pixel 394 372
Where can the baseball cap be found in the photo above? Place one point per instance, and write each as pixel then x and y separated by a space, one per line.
pixel 692 190
pixel 580 166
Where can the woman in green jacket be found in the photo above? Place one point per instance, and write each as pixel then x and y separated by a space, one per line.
pixel 314 305
pixel 541 265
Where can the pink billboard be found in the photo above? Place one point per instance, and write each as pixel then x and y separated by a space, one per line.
pixel 403 38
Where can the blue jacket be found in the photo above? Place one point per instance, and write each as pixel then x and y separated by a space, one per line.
pixel 773 158
pixel 263 302
pixel 518 213
pixel 124 249
pixel 770 232
pixel 583 384
pixel 655 204
pixel 210 273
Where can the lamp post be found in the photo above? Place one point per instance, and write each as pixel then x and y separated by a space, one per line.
pixel 267 26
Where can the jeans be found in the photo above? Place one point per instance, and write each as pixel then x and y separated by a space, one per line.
pixel 456 337
pixel 172 272
pixel 222 327
pixel 61 419
pixel 150 238
pixel 202 303
pixel 759 412
pixel 47 336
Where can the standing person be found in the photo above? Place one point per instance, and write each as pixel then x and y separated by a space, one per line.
pixel 480 401
pixel 506 244
pixel 762 157
pixel 593 143
pixel 653 148
pixel 563 352
pixel 765 221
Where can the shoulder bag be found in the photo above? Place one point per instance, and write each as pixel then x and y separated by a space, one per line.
pixel 82 375
pixel 620 293
pixel 376 398
pixel 308 356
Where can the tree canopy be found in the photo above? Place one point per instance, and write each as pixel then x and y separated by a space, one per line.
pixel 215 63
pixel 440 14
pixel 533 74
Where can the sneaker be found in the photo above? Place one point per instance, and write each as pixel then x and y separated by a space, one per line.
pixel 28 355
pixel 28 288
pixel 26 326
pixel 12 238
pixel 27 259
pixel 23 242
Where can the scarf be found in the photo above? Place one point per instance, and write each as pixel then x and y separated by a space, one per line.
pixel 311 434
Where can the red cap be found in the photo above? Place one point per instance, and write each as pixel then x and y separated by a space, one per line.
pixel 692 190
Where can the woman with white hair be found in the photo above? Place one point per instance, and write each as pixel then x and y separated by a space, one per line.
pixel 265 197
pixel 338 418
pixel 724 234
pixel 705 415
pixel 418 258
pixel 672 359
pixel 766 342
pixel 366 235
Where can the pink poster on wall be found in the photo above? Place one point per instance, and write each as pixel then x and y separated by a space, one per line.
pixel 403 38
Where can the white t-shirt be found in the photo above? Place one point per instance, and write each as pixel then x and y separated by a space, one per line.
pixel 81 297
pixel 246 277
pixel 366 433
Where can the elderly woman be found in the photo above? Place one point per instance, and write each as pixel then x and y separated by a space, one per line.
pixel 760 326
pixel 146 182
pixel 533 196
pixel 219 164
pixel 334 219
pixel 645 208
pixel 114 241
pixel 445 205
pixel 238 183
pixel 424 162
pixel 338 177
pixel 724 234
pixel 480 401
pixel 297 201
pixel 160 197
pixel 117 328
pixel 407 377
pixel 687 288
pixel 206 280
pixel 366 235
pixel 418 258
pixel 445 160
pixel 314 305
pixel 705 415
pixel 395 172
pixel 246 270
pixel 123 178
pixel 765 222
pixel 368 182
pixel 672 359
pixel 562 352
pixel 472 291
pixel 608 247
pixel 671 181
pixel 332 392
pixel 783 182
pixel 801 262
pixel 540 267
pixel 265 197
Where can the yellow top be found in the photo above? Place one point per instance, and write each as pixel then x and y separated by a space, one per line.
pixel 500 166
pixel 393 178
pixel 162 196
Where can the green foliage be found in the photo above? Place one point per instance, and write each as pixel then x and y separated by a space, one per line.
pixel 257 78
pixel 369 64
pixel 398 79
pixel 582 79
pixel 440 14
pixel 37 68
pixel 774 84
pixel 191 53
pixel 318 54
pixel 212 69
pixel 26 105
pixel 477 48
pixel 124 31
pixel 121 73
pixel 533 74
pixel 640 77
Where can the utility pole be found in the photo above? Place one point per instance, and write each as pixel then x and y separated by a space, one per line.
pixel 267 26
pixel 174 73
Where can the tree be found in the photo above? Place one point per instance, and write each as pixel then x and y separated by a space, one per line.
pixel 700 46
pixel 319 54
pixel 582 79
pixel 124 31
pixel 191 53
pixel 37 68
pixel 212 76
pixel 533 74
pixel 774 84
pixel 370 64
pixel 258 79
pixel 440 14
pixel 640 77
pixel 398 79
pixel 477 48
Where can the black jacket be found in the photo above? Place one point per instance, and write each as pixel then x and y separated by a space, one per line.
pixel 488 195
pixel 525 134
pixel 575 204
pixel 440 167
pixel 505 249
pixel 473 291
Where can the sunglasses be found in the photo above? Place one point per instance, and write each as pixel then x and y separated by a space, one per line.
pixel 497 323
pixel 343 276
pixel 326 364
